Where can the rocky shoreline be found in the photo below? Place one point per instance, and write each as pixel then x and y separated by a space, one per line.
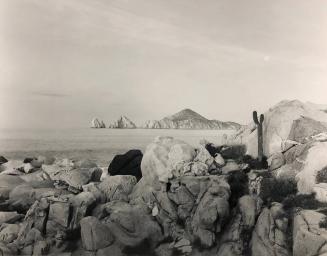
pixel 176 199
pixel 173 200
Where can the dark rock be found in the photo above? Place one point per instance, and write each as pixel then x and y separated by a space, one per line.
pixel 127 164
pixel 28 160
pixel 3 160
pixel 233 151
pixel 212 149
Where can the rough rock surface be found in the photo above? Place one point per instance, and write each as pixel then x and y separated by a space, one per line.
pixel 308 238
pixel 95 123
pixel 278 125
pixel 123 123
pixel 269 236
pixel 189 201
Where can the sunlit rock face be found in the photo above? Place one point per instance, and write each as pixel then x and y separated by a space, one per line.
pixel 123 123
pixel 287 122
pixel 96 123
pixel 188 119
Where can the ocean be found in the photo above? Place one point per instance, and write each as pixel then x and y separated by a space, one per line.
pixel 99 145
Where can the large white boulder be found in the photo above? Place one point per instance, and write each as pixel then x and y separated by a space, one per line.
pixel 162 156
pixel 315 160
pixel 286 120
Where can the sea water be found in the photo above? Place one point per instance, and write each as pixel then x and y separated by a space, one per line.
pixel 100 145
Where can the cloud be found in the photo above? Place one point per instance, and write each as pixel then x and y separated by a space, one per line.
pixel 51 94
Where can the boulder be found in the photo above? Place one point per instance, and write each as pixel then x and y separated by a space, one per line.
pixel 59 212
pixel 230 166
pixel 233 151
pixel 269 236
pixel 211 213
pixel 303 128
pixel 276 161
pixel 203 156
pixel 10 217
pixel 156 164
pixel 9 232
pixel 127 164
pixel 95 235
pixel 7 184
pixel 34 224
pixel 36 163
pixel 313 160
pixel 76 178
pixel 132 227
pixel 47 160
pixel 277 127
pixel 308 238
pixel 220 161
pixel 117 187
pixel 3 160
pixel 233 240
pixel 81 204
pixel 23 196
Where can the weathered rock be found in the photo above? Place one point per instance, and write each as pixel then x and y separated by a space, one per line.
pixel 233 151
pixel 8 249
pixel 308 238
pixel 220 161
pixel 34 224
pixel 23 196
pixel 313 161
pixel 47 160
pixel 3 160
pixel 59 212
pixel 303 128
pixel 127 164
pixel 234 237
pixel 117 187
pixel 81 203
pixel 95 235
pixel 199 169
pixel 269 236
pixel 76 178
pixel 156 164
pixel 9 232
pixel 132 227
pixel 277 126
pixel 123 123
pixel 211 213
pixel 7 184
pixel 230 166
pixel 276 161
pixel 203 156
pixel 10 217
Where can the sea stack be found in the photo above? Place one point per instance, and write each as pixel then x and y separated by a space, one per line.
pixel 95 123
pixel 123 123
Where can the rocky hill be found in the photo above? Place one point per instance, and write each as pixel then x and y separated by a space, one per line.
pixel 96 123
pixel 123 123
pixel 188 119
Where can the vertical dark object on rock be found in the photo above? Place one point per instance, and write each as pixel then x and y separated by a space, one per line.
pixel 260 135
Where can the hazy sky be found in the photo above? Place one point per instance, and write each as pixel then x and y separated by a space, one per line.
pixel 63 62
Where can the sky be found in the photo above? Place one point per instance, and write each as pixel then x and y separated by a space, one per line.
pixel 63 62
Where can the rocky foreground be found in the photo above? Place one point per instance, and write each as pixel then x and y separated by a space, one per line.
pixel 176 199
pixel 173 200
